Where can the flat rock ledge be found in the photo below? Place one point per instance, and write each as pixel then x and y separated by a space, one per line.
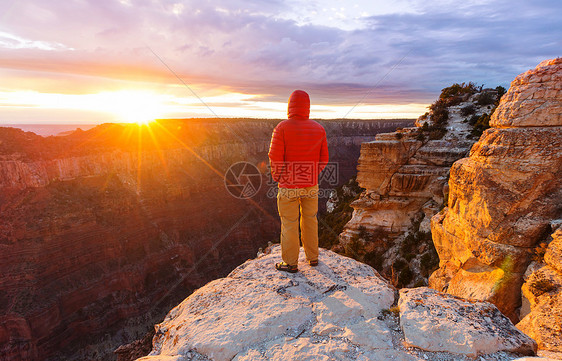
pixel 340 310
pixel 437 321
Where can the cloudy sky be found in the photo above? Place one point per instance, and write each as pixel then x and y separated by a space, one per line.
pixel 96 61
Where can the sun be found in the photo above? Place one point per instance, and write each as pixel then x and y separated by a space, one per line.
pixel 136 106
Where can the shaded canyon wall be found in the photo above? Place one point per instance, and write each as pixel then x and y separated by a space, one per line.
pixel 103 230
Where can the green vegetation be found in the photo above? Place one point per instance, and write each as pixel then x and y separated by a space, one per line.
pixel 374 259
pixel 482 122
pixel 479 124
pixel 330 225
pixel 486 99
pixel 468 110
pixel 375 240
pixel 453 95
pixel 501 91
pixel 414 243
pixel 456 90
pixel 439 112
pixel 405 277
pixel 394 310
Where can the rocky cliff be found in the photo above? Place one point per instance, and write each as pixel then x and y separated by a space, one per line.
pixel 340 310
pixel 541 309
pixel 504 197
pixel 102 231
pixel 404 175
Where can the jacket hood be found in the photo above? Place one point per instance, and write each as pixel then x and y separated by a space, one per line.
pixel 299 105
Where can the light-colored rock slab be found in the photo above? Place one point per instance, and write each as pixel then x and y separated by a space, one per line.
pixel 441 322
pixel 330 312
pixel 259 311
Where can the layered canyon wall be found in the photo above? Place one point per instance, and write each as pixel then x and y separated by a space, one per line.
pixel 506 197
pixel 103 230
pixel 404 175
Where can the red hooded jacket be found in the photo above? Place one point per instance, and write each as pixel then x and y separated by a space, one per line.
pixel 299 150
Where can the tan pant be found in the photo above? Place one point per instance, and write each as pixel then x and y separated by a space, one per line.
pixel 289 202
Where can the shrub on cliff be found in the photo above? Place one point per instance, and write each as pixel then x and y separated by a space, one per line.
pixel 437 133
pixel 375 259
pixel 459 89
pixel 456 93
pixel 468 110
pixel 479 124
pixel 439 112
pixel 429 261
pixel 501 91
pixel 354 248
pixel 439 116
pixel 330 225
pixel 486 98
pixel 406 276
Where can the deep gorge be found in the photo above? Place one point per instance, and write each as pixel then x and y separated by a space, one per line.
pixel 102 231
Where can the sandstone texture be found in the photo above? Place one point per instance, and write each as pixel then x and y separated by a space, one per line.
pixel 336 311
pixel 441 322
pixel 404 175
pixel 542 298
pixel 534 99
pixel 503 197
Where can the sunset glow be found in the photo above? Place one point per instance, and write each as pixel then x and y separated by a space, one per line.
pixel 130 61
pixel 136 106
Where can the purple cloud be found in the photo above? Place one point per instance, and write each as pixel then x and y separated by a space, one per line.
pixel 244 46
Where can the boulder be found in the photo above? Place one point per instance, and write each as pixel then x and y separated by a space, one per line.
pixel 534 99
pixel 436 321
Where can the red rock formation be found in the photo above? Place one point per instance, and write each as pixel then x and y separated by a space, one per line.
pixel 404 174
pixel 541 313
pixel 116 224
pixel 504 196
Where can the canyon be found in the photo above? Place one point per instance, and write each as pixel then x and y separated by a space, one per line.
pixel 404 175
pixel 491 206
pixel 505 200
pixel 102 231
pixel 468 201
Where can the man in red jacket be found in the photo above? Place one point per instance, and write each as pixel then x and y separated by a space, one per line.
pixel 297 154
